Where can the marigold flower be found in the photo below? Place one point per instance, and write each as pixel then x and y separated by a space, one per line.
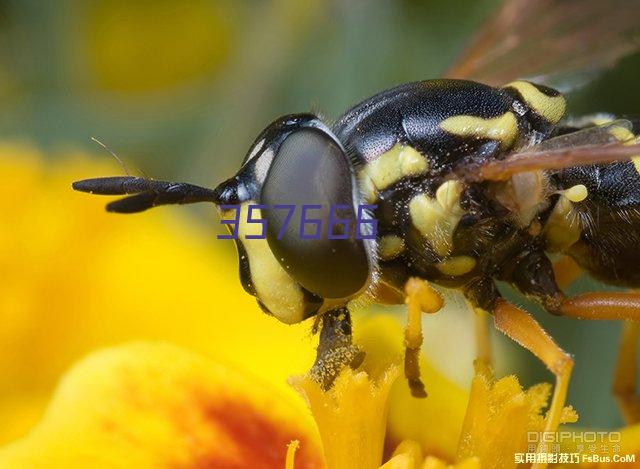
pixel 156 405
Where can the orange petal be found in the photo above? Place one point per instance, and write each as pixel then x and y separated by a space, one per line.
pixel 156 405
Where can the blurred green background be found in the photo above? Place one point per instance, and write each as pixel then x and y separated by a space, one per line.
pixel 179 90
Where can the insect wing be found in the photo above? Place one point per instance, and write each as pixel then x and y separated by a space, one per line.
pixel 595 135
pixel 594 145
pixel 542 39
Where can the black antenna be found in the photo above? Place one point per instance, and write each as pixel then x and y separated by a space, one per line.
pixel 147 193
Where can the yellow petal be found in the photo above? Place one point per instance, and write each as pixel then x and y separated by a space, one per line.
pixel 155 405
pixel 351 416
pixel 408 455
pixel 435 463
pixel 400 461
pixel 412 449
pixel 499 416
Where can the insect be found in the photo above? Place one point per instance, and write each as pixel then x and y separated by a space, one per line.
pixel 470 183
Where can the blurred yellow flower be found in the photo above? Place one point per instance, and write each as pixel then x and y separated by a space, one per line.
pixel 76 278
pixel 157 405
pixel 151 46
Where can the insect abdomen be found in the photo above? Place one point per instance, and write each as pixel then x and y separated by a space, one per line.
pixel 606 224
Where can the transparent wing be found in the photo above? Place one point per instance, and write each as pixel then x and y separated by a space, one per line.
pixel 541 39
pixel 593 145
pixel 603 134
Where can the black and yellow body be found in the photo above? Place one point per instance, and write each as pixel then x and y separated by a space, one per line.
pixel 406 144
pixel 608 219
pixel 408 141
pixel 405 151
pixel 416 156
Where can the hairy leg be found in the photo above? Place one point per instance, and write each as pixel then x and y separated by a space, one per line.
pixel 525 330
pixel 624 306
pixel 420 298
pixel 603 305
pixel 484 354
pixel 624 378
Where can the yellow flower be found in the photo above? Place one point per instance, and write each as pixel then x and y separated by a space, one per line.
pixel 500 416
pixel 156 405
pixel 151 46
pixel 76 278
pixel 81 279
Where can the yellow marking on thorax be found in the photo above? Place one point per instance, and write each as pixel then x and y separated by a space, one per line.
pixel 458 265
pixel 576 193
pixel 437 218
pixel 390 246
pixel 398 162
pixel 636 163
pixel 275 288
pixel 369 191
pixel 552 108
pixel 503 128
pixel 627 137
pixel 563 228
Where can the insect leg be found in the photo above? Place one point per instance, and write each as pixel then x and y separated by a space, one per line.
pixel 542 283
pixel 420 297
pixel 480 296
pixel 525 330
pixel 482 336
pixel 335 348
pixel 616 305
pixel 624 379
pixel 566 271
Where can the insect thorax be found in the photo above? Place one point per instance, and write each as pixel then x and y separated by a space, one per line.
pixel 407 142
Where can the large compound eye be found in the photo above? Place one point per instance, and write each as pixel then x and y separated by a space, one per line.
pixel 310 169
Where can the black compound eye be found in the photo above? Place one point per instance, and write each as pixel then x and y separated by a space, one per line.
pixel 311 173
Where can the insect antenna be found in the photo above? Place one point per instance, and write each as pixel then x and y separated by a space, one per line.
pixel 117 158
pixel 145 193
